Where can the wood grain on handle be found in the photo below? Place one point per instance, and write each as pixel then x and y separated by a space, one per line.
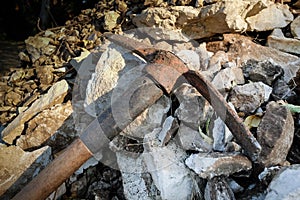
pixel 63 167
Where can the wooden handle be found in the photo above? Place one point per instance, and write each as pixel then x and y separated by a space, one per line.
pixel 56 172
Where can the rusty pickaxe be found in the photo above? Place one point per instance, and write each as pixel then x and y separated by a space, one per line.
pixel 165 69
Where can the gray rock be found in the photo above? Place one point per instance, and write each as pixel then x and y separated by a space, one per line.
pixel 163 45
pixel 191 58
pixel 247 98
pixel 281 90
pixel 235 187
pixel 277 41
pixel 237 52
pixel 190 139
pixel 55 95
pixel 227 78
pixel 273 16
pixel 169 127
pixel 285 185
pixel 209 165
pixel 295 27
pixel 264 71
pixel 204 56
pixel 19 167
pixel 217 188
pixel 166 166
pixel 275 134
pixel 221 135
pixel 153 117
pixel 193 110
pixel 215 64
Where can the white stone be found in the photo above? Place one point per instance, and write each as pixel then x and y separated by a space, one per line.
pixel 191 58
pixel 166 166
pixel 278 41
pixel 274 16
pixel 137 182
pixel 295 27
pixel 285 185
pixel 227 78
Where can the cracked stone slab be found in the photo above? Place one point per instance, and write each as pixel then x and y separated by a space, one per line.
pixel 55 95
pixel 44 125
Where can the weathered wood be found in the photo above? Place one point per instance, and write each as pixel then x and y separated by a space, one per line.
pixel 109 123
pixel 56 172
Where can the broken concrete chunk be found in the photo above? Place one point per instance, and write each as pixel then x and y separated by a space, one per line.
pixel 19 167
pixel 277 41
pixel 190 139
pixel 55 95
pixel 209 165
pixel 218 188
pixel 44 125
pixel 247 98
pixel 295 27
pixel 264 71
pixel 166 166
pixel 194 109
pixel 286 184
pixel 169 127
pixel 227 78
pixel 275 134
pixel 274 16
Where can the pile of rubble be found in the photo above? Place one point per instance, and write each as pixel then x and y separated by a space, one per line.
pixel 178 148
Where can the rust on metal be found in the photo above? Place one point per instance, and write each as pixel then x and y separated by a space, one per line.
pixel 167 68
